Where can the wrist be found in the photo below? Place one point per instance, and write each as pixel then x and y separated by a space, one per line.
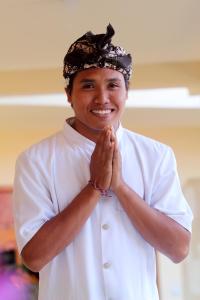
pixel 92 190
pixel 119 187
pixel 95 186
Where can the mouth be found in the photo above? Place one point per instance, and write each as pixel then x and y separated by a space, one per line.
pixel 102 112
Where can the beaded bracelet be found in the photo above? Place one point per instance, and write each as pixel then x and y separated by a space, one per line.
pixel 103 192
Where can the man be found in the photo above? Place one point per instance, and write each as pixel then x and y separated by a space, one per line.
pixel 95 201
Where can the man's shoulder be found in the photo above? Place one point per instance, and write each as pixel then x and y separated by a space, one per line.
pixel 42 149
pixel 146 143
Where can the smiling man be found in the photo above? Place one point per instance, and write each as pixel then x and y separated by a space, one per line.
pixel 98 99
pixel 94 202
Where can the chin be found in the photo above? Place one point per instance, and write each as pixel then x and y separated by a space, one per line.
pixel 98 128
pixel 94 126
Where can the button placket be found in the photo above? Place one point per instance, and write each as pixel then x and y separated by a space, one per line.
pixel 107 248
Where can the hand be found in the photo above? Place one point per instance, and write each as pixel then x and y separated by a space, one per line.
pixel 101 160
pixel 116 180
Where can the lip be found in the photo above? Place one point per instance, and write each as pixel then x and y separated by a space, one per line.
pixel 102 112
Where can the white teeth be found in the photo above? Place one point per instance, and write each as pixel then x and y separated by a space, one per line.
pixel 102 112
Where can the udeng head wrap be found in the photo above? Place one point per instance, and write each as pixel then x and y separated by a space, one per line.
pixel 96 51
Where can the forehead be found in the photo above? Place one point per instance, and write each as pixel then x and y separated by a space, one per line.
pixel 98 74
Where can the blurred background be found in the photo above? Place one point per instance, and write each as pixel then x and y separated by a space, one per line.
pixel 164 102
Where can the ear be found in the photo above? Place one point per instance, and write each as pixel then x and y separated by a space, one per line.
pixel 69 97
pixel 126 97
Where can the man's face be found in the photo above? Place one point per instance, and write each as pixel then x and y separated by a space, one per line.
pixel 98 97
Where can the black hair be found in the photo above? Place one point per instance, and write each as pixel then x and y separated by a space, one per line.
pixel 69 87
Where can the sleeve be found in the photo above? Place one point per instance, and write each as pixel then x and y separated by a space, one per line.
pixel 167 195
pixel 32 204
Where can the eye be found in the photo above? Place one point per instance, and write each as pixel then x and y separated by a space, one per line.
pixel 113 85
pixel 87 86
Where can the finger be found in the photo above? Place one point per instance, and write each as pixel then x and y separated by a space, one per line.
pixel 100 143
pixel 108 138
pixel 110 150
pixel 104 139
pixel 113 135
pixel 117 162
pixel 105 148
pixel 102 146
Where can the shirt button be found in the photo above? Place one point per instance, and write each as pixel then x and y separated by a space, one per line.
pixel 107 265
pixel 105 226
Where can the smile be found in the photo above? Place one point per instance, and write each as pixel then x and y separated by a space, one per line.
pixel 102 112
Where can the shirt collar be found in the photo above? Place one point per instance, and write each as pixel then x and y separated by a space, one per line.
pixel 75 137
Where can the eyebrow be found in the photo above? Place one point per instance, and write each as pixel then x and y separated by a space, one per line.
pixel 93 80
pixel 87 80
pixel 114 79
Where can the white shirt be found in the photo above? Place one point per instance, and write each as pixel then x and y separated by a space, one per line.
pixel 108 259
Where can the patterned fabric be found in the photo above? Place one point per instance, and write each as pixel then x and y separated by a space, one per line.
pixel 96 51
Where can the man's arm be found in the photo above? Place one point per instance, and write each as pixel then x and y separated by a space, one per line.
pixel 159 230
pixel 58 232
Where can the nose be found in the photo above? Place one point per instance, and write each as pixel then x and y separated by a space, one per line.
pixel 101 96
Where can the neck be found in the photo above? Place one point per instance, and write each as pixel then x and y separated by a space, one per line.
pixel 90 133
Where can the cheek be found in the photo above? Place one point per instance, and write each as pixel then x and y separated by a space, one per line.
pixel 78 107
pixel 81 103
pixel 121 100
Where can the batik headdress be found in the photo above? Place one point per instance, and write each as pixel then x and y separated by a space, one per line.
pixel 96 51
